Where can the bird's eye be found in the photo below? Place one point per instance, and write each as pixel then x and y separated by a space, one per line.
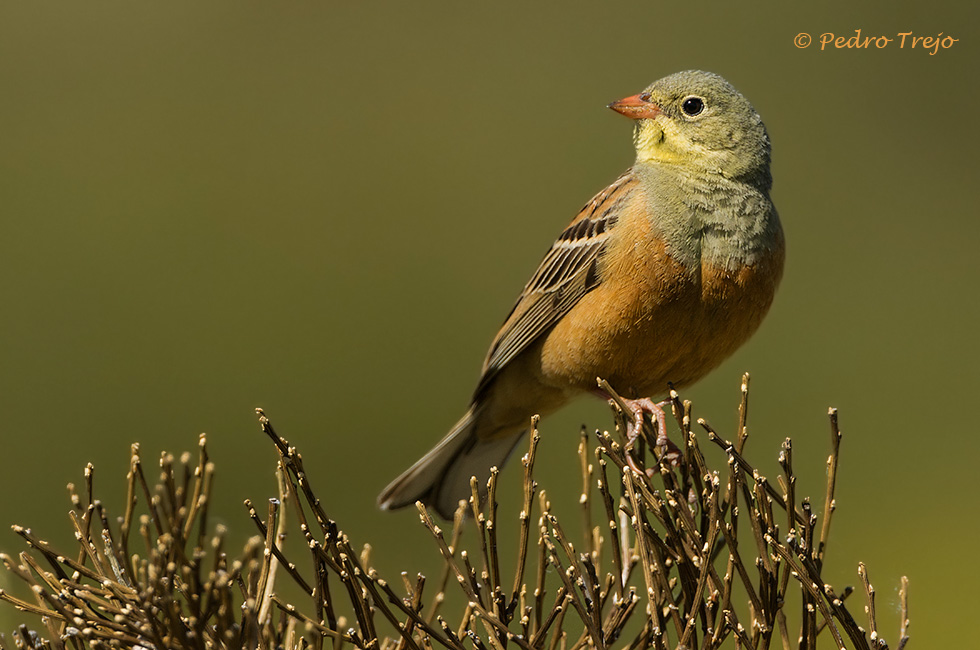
pixel 692 106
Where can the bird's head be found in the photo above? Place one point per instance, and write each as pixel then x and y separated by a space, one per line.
pixel 698 120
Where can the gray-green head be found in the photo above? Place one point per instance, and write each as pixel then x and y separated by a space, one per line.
pixel 698 120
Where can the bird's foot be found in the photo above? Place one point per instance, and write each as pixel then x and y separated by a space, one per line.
pixel 640 407
pixel 636 409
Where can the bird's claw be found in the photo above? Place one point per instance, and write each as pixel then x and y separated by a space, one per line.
pixel 637 408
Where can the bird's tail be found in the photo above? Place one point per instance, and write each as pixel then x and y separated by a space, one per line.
pixel 441 478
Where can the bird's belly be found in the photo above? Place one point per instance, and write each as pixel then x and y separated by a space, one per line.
pixel 673 326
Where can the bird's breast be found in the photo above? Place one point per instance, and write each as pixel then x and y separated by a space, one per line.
pixel 658 317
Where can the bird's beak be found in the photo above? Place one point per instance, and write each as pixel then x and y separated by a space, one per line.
pixel 636 107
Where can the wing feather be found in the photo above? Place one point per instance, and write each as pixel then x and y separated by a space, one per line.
pixel 567 272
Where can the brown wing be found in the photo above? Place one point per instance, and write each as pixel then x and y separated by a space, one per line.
pixel 567 272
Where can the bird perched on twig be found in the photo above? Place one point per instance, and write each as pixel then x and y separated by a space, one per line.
pixel 658 279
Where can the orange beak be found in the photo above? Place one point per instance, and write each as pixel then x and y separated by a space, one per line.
pixel 636 107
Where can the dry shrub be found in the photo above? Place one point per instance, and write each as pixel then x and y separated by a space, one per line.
pixel 684 556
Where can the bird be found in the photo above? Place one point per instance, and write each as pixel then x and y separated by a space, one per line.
pixel 659 278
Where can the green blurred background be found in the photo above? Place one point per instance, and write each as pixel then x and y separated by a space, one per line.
pixel 326 210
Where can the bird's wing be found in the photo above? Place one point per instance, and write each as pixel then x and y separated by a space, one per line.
pixel 567 272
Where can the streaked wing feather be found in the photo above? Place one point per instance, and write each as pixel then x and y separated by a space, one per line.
pixel 567 272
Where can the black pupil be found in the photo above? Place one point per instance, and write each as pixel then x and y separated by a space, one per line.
pixel 693 105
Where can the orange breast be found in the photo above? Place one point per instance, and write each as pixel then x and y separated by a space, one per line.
pixel 653 321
